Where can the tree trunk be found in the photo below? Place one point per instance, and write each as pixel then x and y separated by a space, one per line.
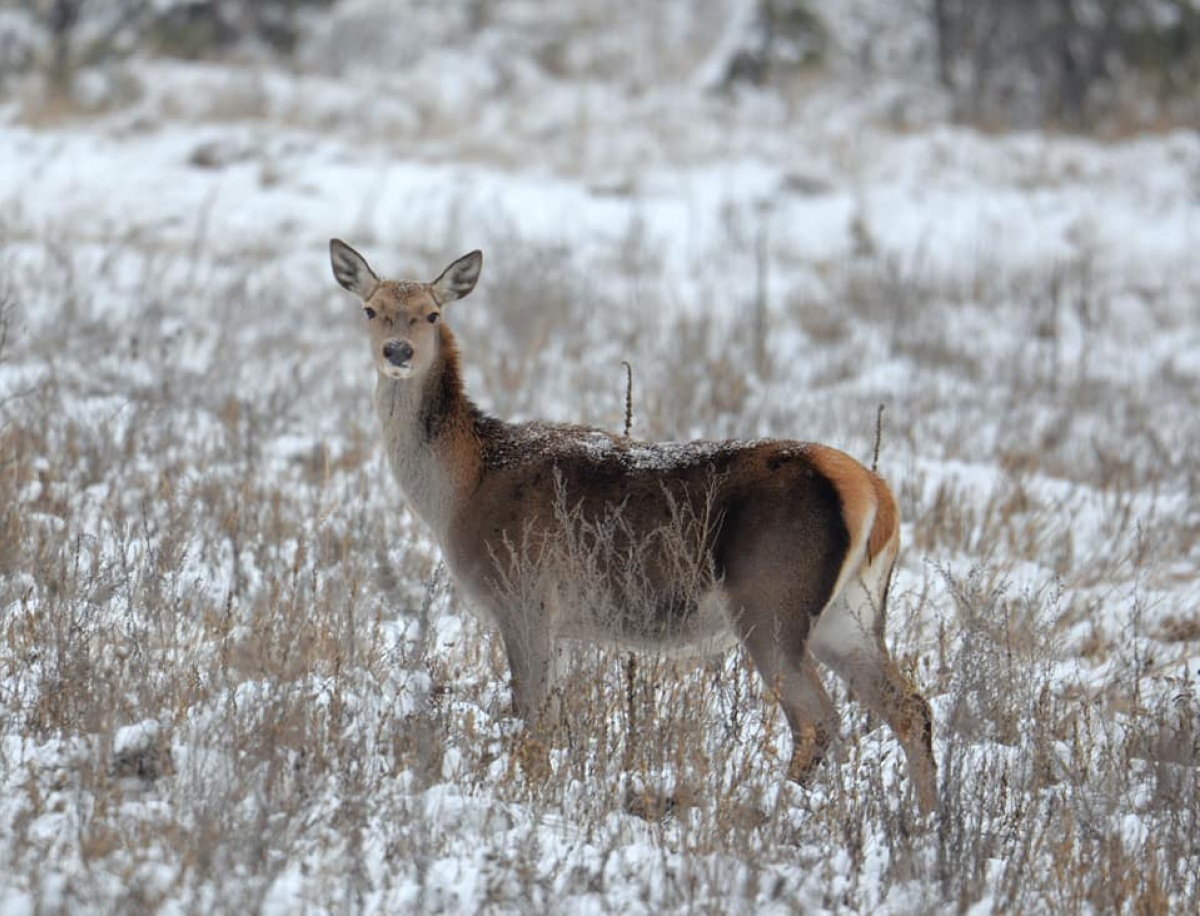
pixel 62 18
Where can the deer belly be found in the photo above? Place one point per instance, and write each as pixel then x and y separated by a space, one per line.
pixel 671 626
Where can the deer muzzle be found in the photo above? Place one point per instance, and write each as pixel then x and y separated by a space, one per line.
pixel 398 352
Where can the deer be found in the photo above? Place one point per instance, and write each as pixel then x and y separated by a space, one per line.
pixel 784 547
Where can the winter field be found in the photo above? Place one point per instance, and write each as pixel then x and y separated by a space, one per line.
pixel 234 677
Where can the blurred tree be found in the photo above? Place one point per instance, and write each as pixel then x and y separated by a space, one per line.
pixel 72 46
pixel 784 35
pixel 61 19
pixel 83 33
pixel 195 28
pixel 1068 62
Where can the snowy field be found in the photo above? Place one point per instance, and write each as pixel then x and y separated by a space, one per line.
pixel 233 677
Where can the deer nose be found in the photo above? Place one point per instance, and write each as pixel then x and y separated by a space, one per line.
pixel 398 352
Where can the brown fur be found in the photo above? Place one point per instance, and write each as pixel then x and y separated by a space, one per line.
pixel 885 534
pixel 863 492
pixel 560 531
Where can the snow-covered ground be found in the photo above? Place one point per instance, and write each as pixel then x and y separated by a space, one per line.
pixel 232 677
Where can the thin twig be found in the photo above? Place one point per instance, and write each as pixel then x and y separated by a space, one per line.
pixel 630 659
pixel 628 396
pixel 630 708
pixel 878 437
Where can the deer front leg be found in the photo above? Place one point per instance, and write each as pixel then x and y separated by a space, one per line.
pixel 788 671
pixel 528 647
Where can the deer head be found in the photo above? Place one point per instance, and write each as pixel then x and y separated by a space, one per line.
pixel 402 315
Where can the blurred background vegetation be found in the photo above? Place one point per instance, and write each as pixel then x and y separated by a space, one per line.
pixel 1109 66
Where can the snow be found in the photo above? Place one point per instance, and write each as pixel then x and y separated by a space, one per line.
pixel 229 677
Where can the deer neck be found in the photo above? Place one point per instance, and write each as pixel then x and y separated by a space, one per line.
pixel 429 433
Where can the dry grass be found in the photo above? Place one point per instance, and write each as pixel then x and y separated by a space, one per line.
pixel 232 672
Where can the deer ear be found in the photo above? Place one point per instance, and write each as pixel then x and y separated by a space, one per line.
pixel 351 270
pixel 459 278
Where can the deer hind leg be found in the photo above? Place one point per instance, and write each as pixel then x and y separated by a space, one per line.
pixel 848 638
pixel 811 733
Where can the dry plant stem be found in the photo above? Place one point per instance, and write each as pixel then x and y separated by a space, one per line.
pixel 628 397
pixel 631 660
pixel 878 438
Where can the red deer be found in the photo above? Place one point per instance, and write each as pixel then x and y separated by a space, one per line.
pixel 557 531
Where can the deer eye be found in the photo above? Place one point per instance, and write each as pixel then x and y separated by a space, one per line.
pixel 369 312
pixel 432 318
